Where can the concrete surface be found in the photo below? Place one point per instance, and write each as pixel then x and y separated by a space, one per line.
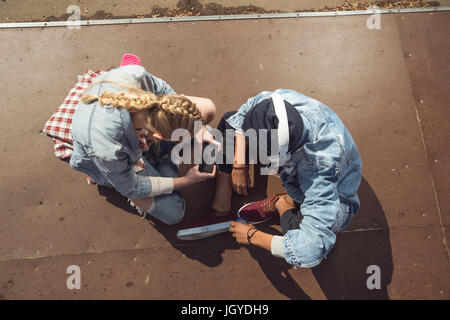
pixel 380 82
pixel 30 10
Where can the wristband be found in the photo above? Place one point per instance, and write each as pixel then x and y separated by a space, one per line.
pixel 249 237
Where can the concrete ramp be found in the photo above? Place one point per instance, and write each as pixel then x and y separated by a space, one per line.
pixel 390 86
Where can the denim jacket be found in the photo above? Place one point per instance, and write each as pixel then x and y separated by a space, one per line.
pixel 323 174
pixel 105 144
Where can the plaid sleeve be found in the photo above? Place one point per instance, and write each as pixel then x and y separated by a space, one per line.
pixel 59 126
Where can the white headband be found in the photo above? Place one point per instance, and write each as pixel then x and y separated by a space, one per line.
pixel 283 126
pixel 283 137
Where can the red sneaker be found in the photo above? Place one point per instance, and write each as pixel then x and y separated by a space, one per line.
pixel 259 211
pixel 209 225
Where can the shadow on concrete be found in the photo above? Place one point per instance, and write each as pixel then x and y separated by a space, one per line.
pixel 342 275
pixel 197 197
pixel 277 270
pixel 365 242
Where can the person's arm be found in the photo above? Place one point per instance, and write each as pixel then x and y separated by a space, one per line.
pixel 156 85
pixel 240 147
pixel 160 87
pixel 307 246
pixel 240 177
pixel 191 177
pixel 206 107
pixel 119 172
pixel 258 238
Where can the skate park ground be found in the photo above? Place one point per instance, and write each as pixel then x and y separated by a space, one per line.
pixel 390 87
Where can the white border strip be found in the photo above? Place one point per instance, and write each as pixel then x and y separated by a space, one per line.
pixel 217 18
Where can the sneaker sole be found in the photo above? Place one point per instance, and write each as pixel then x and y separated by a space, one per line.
pixel 203 232
pixel 250 222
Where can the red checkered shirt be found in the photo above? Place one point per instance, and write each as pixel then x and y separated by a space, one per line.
pixel 59 126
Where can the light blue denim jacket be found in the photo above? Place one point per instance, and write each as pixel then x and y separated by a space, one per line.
pixel 323 175
pixel 105 144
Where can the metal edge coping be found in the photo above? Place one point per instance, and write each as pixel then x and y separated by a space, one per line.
pixel 217 18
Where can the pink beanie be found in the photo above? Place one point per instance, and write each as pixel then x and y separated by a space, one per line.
pixel 128 59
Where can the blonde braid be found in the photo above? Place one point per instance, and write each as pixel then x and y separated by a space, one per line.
pixel 181 106
pixel 131 102
pixel 166 113
pixel 176 112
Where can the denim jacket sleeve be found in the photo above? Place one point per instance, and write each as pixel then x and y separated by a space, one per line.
pixel 119 172
pixel 237 120
pixel 156 85
pixel 307 246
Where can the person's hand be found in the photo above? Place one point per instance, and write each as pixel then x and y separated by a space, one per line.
pixel 203 135
pixel 239 231
pixel 198 136
pixel 284 203
pixel 194 175
pixel 240 179
pixel 209 138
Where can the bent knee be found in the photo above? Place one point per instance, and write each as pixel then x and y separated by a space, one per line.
pixel 175 217
pixel 171 211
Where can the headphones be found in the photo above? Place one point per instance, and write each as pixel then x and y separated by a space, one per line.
pixel 283 134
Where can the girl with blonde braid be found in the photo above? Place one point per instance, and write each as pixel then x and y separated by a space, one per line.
pixel 117 106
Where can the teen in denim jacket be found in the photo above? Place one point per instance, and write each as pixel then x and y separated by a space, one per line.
pixel 321 177
pixel 106 145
